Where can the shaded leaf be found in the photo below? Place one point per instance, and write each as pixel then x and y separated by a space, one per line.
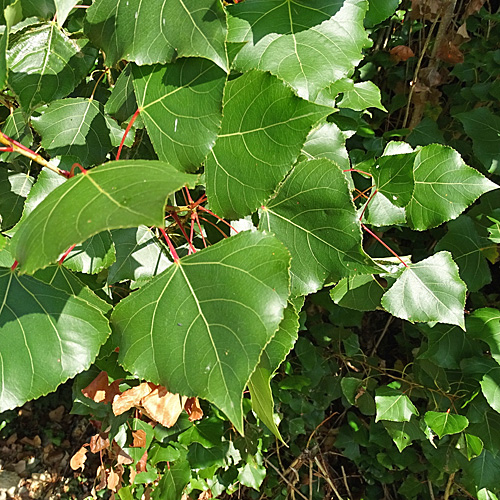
pixel 483 127
pixel 100 390
pixel 122 103
pixel 380 10
pixel 14 188
pixel 314 216
pixel 76 127
pixel 45 64
pixel 16 128
pixel 404 433
pixel 362 293
pixel 430 290
pixel 181 105
pixel 183 28
pixel 490 385
pixel 264 127
pixel 466 246
pixel 484 324
pixel 139 255
pixel 114 205
pixel 63 8
pixel 327 141
pixel 208 354
pixel 46 337
pixel 173 481
pixel 273 355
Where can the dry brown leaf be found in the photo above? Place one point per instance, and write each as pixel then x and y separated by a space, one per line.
pixel 131 397
pixel 163 406
pixel 97 389
pixel 205 495
pixel 450 53
pixel 99 442
pixel 36 442
pixel 139 438
pixel 132 474
pixel 193 409
pixel 78 459
pixel 101 475
pixel 473 7
pixel 113 480
pixel 57 414
pixel 401 53
pixel 463 33
pixel 141 464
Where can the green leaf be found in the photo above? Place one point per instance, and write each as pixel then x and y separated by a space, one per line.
pixel 444 187
pixel 297 48
pixel 361 96
pixel 46 337
pixel 139 255
pixel 327 141
pixel 75 127
pixel 44 9
pixel 173 482
pixel 350 388
pixel 393 177
pixel 404 433
pixel 393 405
pixel 14 188
pixel 485 494
pixel 483 471
pixel 12 14
pixel 444 423
pixel 380 10
pixel 124 194
pixel 362 293
pixel 159 31
pixel 483 127
pixel 484 324
pixel 181 105
pixel 490 385
pixel 313 214
pixel 63 8
pixel 272 357
pixel 252 475
pixel 430 290
pixel 199 328
pixel 264 127
pixel 381 212
pixel 122 103
pixel 485 424
pixel 16 128
pixel 466 246
pixel 93 255
pixel 448 345
pixel 45 64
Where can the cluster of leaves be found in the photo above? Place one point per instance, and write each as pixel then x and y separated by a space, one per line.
pixel 256 111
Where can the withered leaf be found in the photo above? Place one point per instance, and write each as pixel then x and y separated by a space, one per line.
pixel 57 414
pixel 113 480
pixel 193 409
pixel 139 438
pixel 122 458
pixel 131 397
pixel 141 464
pixel 100 390
pixel 78 459
pixel 450 53
pixel 99 442
pixel 163 406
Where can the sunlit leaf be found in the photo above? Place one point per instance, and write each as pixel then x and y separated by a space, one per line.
pixel 443 423
pixel 393 405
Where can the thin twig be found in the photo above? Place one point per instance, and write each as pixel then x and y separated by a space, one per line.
pixel 286 480
pixel 346 484
pixel 384 331
pixel 449 484
pixel 327 478
pixel 431 491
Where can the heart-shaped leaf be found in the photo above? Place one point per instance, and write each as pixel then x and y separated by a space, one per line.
pixel 200 327
pixel 393 405
pixel 444 423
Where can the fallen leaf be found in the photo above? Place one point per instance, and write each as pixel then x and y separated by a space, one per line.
pixel 163 406
pixel 132 474
pixel 78 459
pixel 141 464
pixel 36 442
pixel 473 7
pixel 57 414
pixel 101 474
pixel 139 438
pixel 205 495
pixel 113 480
pixel 99 442
pixel 193 409
pixel 131 397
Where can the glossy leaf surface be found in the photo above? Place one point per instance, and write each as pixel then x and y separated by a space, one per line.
pixel 46 233
pixel 190 328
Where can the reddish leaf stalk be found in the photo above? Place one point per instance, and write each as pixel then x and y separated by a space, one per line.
pixel 181 227
pixel 215 225
pixel 362 193
pixel 127 130
pixel 217 217
pixel 385 245
pixel 66 253
pixel 366 204
pixel 170 245
pixel 13 267
pixel 72 171
pixel 356 170
pixel 194 216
